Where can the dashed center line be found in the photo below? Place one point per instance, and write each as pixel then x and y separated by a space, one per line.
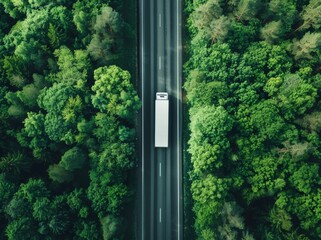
pixel 159 62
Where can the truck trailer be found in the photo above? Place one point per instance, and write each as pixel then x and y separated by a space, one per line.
pixel 161 119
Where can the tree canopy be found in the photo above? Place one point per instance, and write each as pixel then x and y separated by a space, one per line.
pixel 67 110
pixel 252 89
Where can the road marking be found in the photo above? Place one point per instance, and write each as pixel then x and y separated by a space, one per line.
pixel 160 169
pixel 178 98
pixel 160 215
pixel 143 124
pixel 159 62
pixel 160 20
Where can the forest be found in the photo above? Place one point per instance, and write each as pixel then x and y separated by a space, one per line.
pixel 253 85
pixel 67 119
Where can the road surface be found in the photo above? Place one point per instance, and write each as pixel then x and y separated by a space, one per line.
pixel 160 171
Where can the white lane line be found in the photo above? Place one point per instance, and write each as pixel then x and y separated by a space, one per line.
pixel 159 62
pixel 178 98
pixel 160 169
pixel 160 20
pixel 160 215
pixel 143 124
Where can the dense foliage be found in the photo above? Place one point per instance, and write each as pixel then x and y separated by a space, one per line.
pixel 253 83
pixel 67 112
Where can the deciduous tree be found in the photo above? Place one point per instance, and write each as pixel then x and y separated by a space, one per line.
pixel 307 46
pixel 114 93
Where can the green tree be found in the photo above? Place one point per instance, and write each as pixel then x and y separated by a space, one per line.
pixel 59 222
pixel 105 128
pixel 201 93
pixel 307 46
pixel 33 134
pixel 12 9
pixel 306 208
pixel 116 156
pixel 284 11
pixel 280 219
pixel 207 17
pixel 78 202
pixel 295 96
pixel 73 159
pixel 14 163
pixel 219 29
pixel 311 121
pixel 15 70
pixel 232 223
pixel 205 13
pixel 240 36
pixel 29 95
pixel 117 196
pixel 298 151
pixel 208 194
pixel 310 15
pixel 272 31
pixel 305 178
pixel 266 179
pixel 23 229
pixel 85 129
pixel 59 174
pixel 58 102
pixel 41 209
pixel 217 63
pixel 114 92
pixel 60 26
pixel 265 121
pixel 111 227
pixel 84 14
pixel 73 66
pixel 210 125
pixel 27 41
pixel 16 108
pixel 207 158
pixel 247 9
pixel 87 230
pixel 107 27
pixel 7 189
pixel 55 35
pixel 98 190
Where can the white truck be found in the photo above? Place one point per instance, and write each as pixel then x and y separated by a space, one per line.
pixel 161 119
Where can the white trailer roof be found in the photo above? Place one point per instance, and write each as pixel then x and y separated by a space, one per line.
pixel 161 120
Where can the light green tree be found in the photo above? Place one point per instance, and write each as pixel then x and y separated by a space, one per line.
pixel 107 26
pixel 310 15
pixel 311 121
pixel 73 66
pixel 280 219
pixel 247 9
pixel 111 225
pixel 307 46
pixel 272 31
pixel 114 93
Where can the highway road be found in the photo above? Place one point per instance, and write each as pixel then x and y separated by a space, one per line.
pixel 160 169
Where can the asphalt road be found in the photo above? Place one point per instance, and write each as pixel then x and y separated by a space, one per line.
pixel 160 171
